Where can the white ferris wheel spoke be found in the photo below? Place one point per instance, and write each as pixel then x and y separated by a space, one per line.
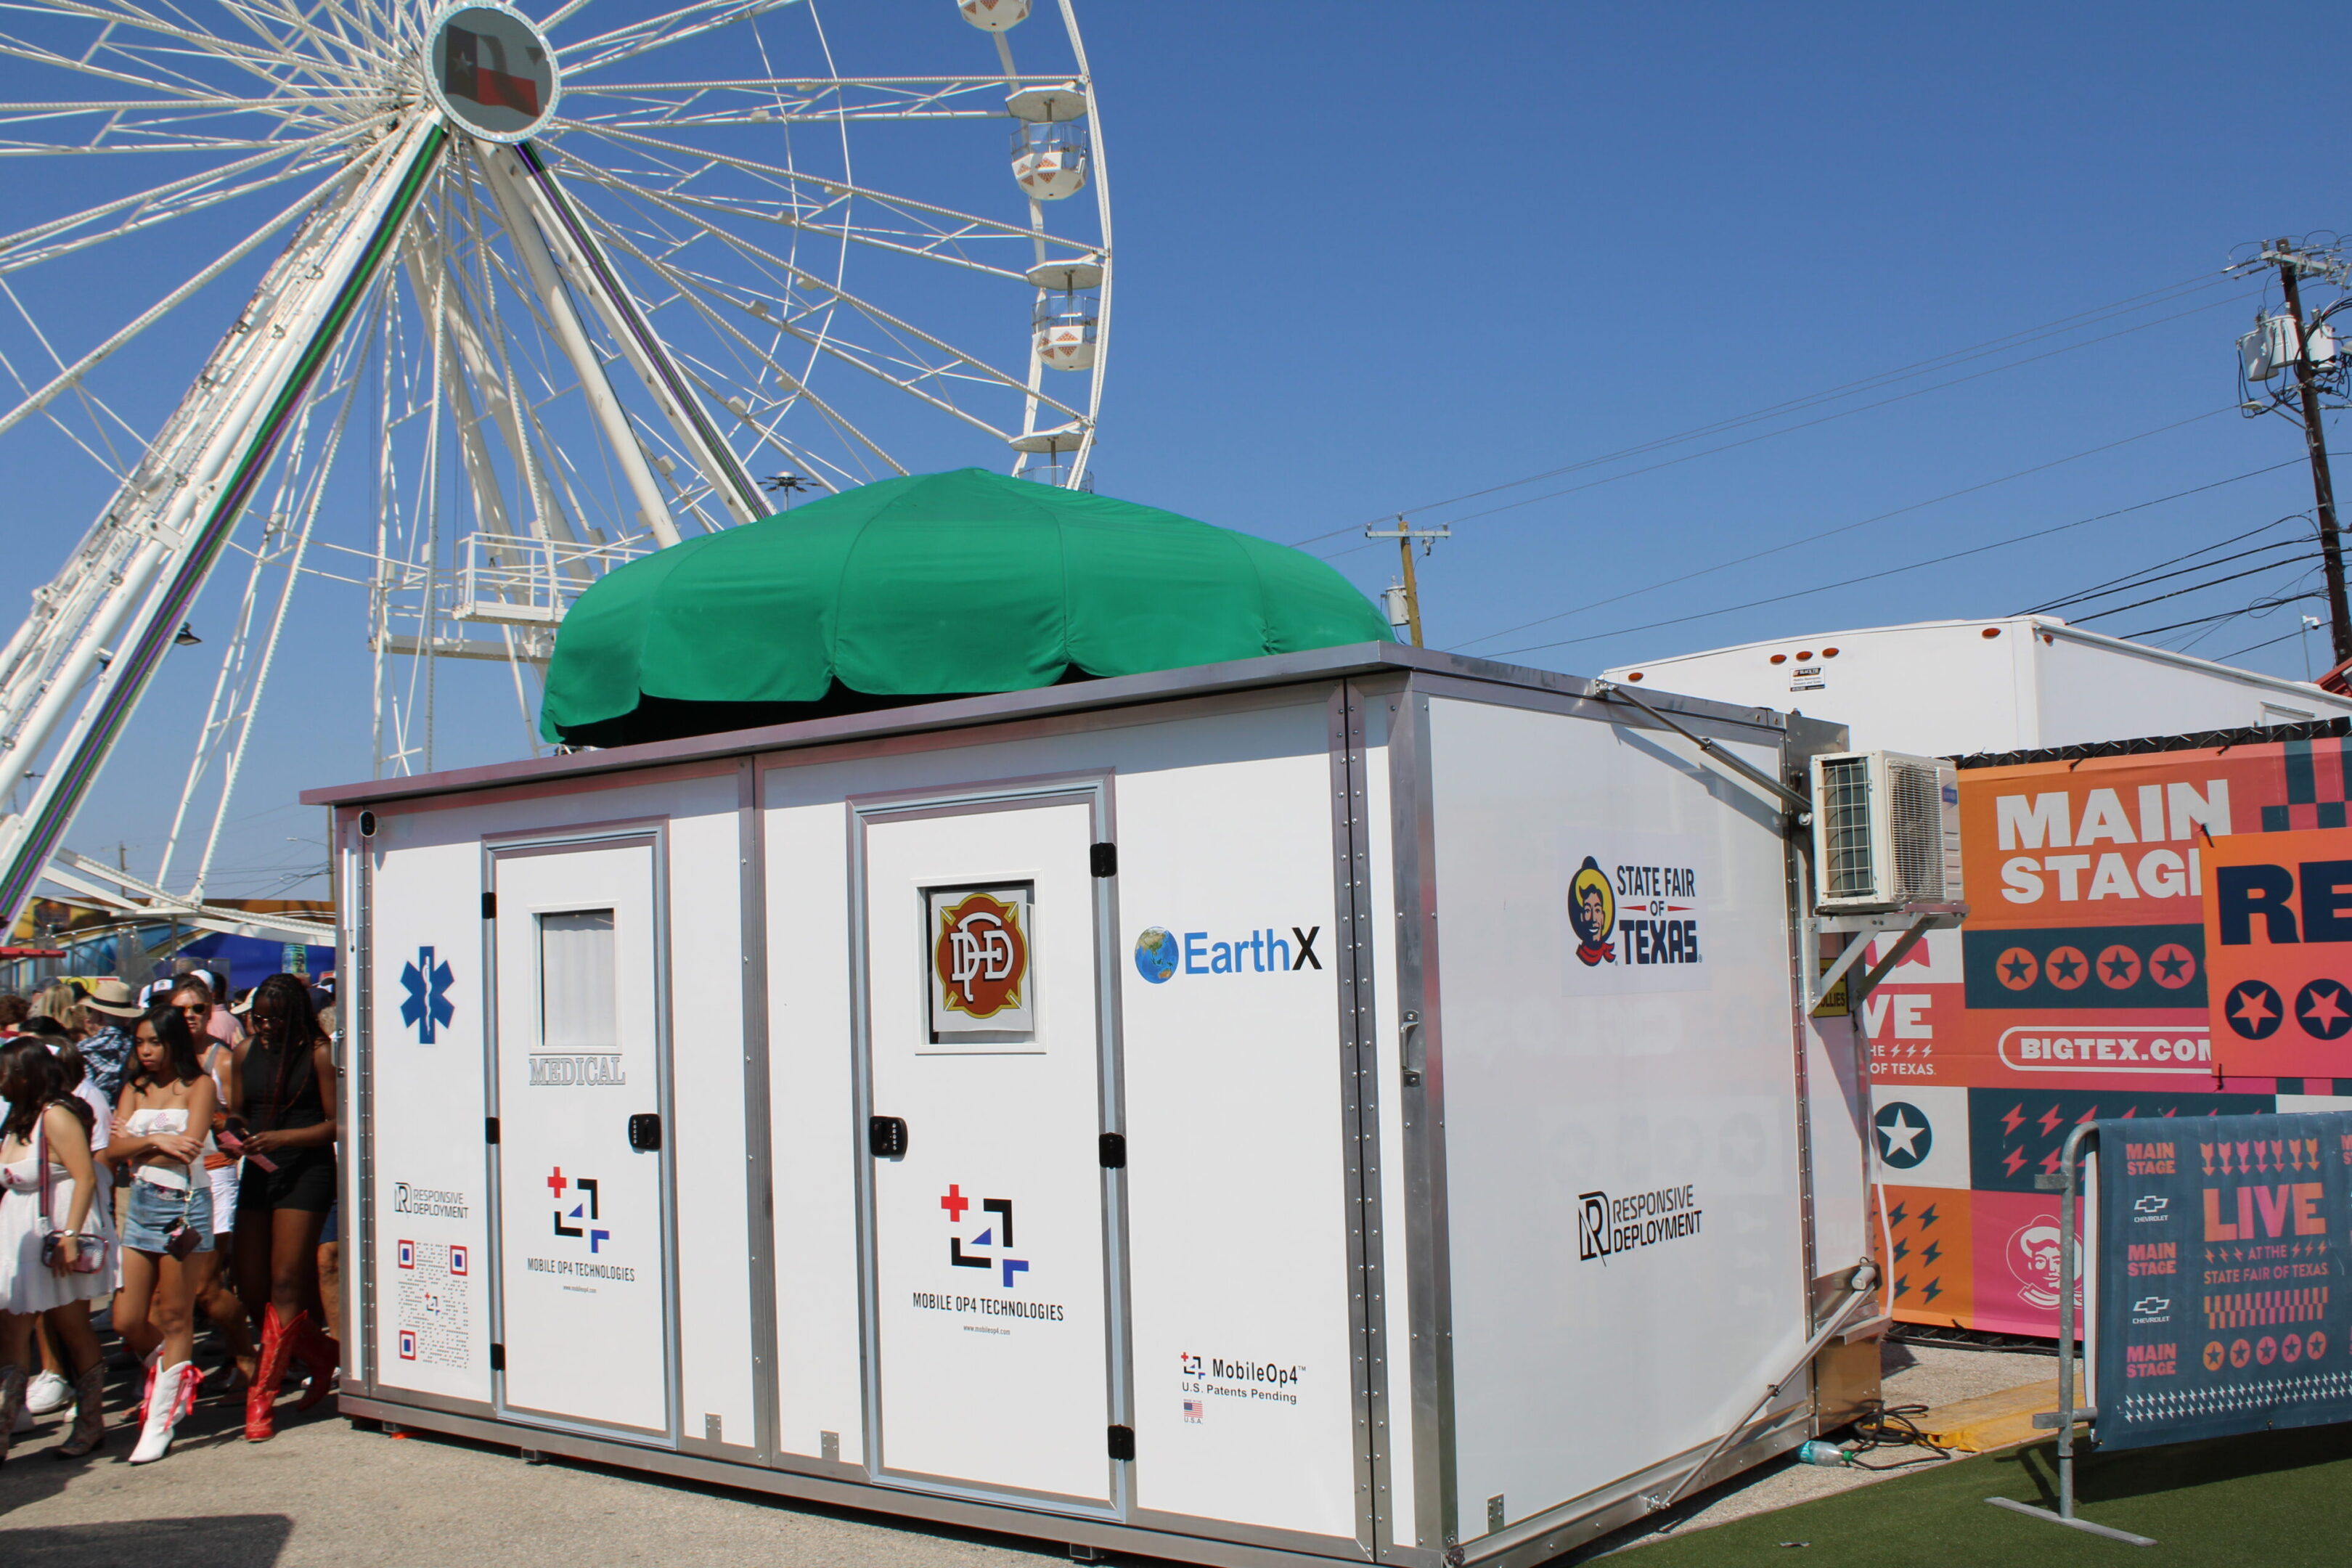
pixel 660 32
pixel 683 278
pixel 174 198
pixel 510 464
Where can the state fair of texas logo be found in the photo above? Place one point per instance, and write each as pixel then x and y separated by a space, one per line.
pixel 1592 913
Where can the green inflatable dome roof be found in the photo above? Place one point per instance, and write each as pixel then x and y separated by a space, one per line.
pixel 920 588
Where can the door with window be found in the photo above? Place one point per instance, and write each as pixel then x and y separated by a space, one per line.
pixel 988 1192
pixel 581 1107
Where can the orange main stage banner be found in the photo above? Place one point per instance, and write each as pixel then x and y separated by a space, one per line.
pixel 2278 948
pixel 2096 977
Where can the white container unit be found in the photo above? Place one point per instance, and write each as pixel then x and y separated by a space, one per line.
pixel 1947 689
pixel 1343 1106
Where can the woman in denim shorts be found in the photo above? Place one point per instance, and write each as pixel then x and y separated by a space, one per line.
pixel 162 1124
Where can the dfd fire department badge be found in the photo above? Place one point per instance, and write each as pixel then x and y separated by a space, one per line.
pixel 979 960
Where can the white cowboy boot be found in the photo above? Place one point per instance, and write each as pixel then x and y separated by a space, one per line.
pixel 174 1392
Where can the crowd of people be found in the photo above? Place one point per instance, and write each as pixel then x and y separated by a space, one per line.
pixel 166 1157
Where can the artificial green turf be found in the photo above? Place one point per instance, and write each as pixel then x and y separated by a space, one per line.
pixel 2279 1500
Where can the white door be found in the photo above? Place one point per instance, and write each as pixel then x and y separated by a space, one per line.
pixel 984 1040
pixel 583 1161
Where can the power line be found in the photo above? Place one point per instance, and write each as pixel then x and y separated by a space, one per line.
pixel 2132 578
pixel 1959 356
pixel 1842 528
pixel 2152 576
pixel 2194 588
pixel 2257 607
pixel 1913 566
pixel 2257 647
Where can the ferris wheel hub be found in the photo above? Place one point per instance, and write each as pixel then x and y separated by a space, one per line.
pixel 490 70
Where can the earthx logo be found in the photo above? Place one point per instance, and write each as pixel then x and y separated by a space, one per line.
pixel 1606 1225
pixel 1161 954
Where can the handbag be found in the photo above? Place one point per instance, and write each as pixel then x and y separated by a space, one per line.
pixel 90 1249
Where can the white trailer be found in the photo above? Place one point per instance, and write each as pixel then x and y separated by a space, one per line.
pixel 1945 688
pixel 1343 1106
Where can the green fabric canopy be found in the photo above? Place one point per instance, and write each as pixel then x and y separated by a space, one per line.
pixel 934 585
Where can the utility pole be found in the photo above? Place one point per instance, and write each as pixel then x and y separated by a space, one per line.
pixel 1404 534
pixel 2331 544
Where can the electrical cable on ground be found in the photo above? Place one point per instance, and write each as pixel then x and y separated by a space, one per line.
pixel 1885 1425
pixel 1921 367
pixel 1913 566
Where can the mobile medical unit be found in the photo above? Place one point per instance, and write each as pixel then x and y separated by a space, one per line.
pixel 1348 1103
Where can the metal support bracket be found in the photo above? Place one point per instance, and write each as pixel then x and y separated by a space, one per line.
pixel 1914 920
pixel 1803 808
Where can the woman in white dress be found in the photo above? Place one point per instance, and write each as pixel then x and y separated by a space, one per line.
pixel 47 1126
pixel 162 1124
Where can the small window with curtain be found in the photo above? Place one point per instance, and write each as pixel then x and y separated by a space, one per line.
pixel 579 989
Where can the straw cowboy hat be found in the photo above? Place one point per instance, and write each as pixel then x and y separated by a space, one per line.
pixel 114 997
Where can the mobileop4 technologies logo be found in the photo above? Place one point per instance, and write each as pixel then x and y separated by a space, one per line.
pixel 1161 954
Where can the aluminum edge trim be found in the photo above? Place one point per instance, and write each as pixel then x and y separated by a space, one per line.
pixel 1118 1338
pixel 1344 739
pixel 759 1132
pixel 356 966
pixel 1277 669
pixel 1429 1292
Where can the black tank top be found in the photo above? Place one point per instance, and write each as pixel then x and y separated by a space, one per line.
pixel 282 1096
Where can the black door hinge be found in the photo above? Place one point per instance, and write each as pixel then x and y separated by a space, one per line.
pixel 498 1357
pixel 490 906
pixel 489 1128
pixel 1122 1442
pixel 1113 1148
pixel 1102 859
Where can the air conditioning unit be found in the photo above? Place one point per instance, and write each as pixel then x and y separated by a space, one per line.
pixel 1886 831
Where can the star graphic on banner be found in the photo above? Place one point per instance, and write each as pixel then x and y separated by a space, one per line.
pixel 1902 1137
pixel 2252 1007
pixel 2064 964
pixel 2320 1008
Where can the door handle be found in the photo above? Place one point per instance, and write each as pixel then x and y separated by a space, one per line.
pixel 1410 1048
pixel 644 1133
pixel 885 1137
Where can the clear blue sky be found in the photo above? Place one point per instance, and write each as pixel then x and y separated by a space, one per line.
pixel 1375 256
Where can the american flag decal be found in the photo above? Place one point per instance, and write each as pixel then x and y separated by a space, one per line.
pixel 1192 1409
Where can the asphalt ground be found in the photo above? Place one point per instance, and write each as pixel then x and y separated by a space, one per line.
pixel 325 1492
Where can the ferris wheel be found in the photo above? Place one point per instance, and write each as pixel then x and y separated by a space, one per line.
pixel 451 308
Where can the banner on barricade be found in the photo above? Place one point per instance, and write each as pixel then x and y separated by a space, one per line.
pixel 2222 1300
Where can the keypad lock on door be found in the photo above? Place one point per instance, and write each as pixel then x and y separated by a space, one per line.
pixel 644 1133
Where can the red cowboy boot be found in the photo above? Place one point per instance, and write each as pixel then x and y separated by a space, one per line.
pixel 319 1353
pixel 277 1340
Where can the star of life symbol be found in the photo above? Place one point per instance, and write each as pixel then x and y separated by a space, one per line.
pixel 955 1203
pixel 982 955
pixel 428 1006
